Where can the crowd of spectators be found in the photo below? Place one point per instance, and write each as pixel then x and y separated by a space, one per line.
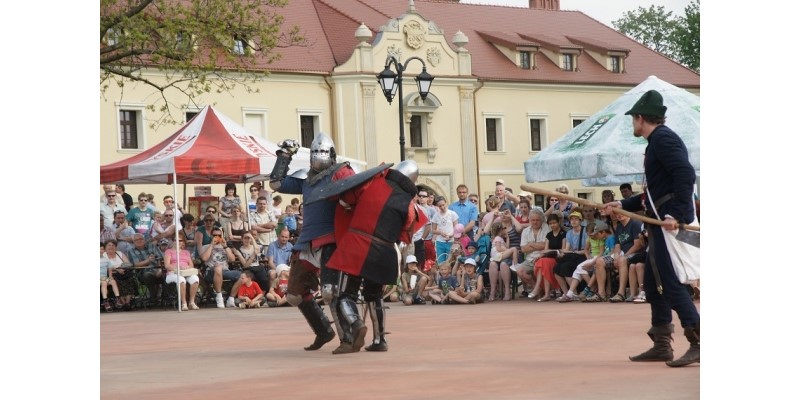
pixel 240 251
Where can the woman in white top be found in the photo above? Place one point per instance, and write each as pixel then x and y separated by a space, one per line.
pixel 444 225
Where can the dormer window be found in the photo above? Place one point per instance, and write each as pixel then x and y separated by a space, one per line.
pixel 239 46
pixel 568 62
pixel 616 65
pixel 525 59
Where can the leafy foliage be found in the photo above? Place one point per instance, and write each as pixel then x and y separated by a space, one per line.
pixel 197 46
pixel 675 37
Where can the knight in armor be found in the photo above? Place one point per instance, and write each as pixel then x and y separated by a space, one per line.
pixel 372 219
pixel 316 244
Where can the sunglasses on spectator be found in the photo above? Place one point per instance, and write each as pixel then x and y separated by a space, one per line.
pixel 142 199
pixel 474 201
pixel 111 195
pixel 216 234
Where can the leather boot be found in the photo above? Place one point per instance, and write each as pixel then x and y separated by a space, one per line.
pixel 662 348
pixel 377 314
pixel 693 354
pixel 349 312
pixel 319 323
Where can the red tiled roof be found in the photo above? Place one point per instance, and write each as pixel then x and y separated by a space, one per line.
pixel 508 40
pixel 330 25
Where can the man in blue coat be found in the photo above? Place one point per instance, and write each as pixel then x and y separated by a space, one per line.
pixel 670 183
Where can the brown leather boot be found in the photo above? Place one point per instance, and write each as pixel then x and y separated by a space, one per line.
pixel 662 348
pixel 693 354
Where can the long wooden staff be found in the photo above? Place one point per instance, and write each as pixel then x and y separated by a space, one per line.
pixel 585 202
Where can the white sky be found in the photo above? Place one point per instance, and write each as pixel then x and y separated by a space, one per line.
pixel 603 11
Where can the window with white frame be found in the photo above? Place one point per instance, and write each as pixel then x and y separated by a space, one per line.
pixel 577 121
pixel 537 140
pixel 255 121
pixel 190 114
pixel 239 45
pixel 494 134
pixel 417 130
pixel 131 128
pixel 616 65
pixel 309 125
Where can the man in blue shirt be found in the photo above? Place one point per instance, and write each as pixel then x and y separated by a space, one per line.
pixel 466 210
pixel 278 252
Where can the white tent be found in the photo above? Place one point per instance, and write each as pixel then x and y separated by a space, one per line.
pixel 602 150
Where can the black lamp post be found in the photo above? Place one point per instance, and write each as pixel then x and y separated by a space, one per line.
pixel 392 83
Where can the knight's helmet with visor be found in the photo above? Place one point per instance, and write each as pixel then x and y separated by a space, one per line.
pixel 323 152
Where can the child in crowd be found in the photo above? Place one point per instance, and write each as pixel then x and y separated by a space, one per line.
pixel 105 280
pixel 390 293
pixel 250 294
pixel 413 282
pixel 290 219
pixel 277 293
pixel 598 232
pixel 500 247
pixel 444 284
pixel 460 238
pixel 470 287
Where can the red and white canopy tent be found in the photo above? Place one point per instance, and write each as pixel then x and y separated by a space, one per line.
pixel 210 148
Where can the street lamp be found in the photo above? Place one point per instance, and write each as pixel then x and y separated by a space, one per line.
pixel 392 83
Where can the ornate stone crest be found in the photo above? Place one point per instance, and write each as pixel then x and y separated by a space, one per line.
pixel 415 34
pixel 396 51
pixel 434 56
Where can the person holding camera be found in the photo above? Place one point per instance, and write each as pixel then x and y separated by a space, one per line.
pixel 217 256
pixel 181 256
pixel 148 261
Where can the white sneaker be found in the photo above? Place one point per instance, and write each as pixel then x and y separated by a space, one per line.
pixel 242 305
pixel 184 308
pixel 231 302
pixel 514 267
pixel 640 298
pixel 530 295
pixel 220 301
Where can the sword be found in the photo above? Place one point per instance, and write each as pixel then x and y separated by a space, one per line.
pixel 689 234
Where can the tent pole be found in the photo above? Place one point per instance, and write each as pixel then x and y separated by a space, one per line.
pixel 176 245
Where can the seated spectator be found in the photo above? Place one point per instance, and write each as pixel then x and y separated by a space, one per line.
pixel 543 268
pixel 577 251
pixel 122 273
pixel 513 229
pixel 413 282
pixel 147 260
pixel 250 294
pixel 444 284
pixel 247 255
pixel 390 294
pixel 106 232
pixel 209 223
pixel 216 255
pixel 636 270
pixel 532 242
pixel 106 279
pixel 470 287
pixel 561 206
pixel 278 252
pixel 188 275
pixel 167 227
pixel 189 230
pixel 277 291
pixel 123 232
pixel 625 234
pixel 523 212
pixel 290 220
pixel 598 232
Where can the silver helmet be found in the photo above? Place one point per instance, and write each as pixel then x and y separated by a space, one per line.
pixel 408 168
pixel 323 152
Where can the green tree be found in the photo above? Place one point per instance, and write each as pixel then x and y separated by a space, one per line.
pixel 687 37
pixel 675 37
pixel 197 46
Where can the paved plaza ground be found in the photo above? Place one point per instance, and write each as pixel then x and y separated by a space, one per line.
pixel 500 350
